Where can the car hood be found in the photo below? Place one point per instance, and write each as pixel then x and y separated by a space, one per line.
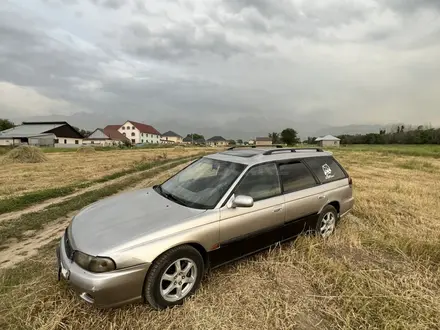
pixel 117 220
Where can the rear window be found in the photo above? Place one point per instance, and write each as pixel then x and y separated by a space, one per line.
pixel 296 176
pixel 325 168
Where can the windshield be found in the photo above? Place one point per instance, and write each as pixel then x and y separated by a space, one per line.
pixel 202 184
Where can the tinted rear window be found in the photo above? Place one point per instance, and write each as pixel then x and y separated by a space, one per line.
pixel 296 176
pixel 325 168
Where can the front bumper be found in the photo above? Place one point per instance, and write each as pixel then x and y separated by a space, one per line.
pixel 104 290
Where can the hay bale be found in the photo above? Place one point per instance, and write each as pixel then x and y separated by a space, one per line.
pixel 24 154
pixel 86 150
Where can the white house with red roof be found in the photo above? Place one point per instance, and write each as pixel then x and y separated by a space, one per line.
pixel 139 132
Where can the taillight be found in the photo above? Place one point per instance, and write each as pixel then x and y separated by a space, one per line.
pixel 350 180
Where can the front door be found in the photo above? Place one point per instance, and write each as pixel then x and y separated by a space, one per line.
pixel 244 230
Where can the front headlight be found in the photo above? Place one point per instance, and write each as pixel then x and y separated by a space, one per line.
pixel 94 264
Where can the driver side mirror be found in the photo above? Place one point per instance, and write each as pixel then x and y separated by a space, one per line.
pixel 241 201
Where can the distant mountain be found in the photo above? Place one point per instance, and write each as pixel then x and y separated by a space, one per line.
pixel 237 128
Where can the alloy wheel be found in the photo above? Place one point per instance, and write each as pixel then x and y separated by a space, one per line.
pixel 328 224
pixel 178 279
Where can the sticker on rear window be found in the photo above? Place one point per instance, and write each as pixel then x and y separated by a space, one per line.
pixel 327 172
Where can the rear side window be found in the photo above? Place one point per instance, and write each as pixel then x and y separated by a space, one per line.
pixel 325 168
pixel 296 176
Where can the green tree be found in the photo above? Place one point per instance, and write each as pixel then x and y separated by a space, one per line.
pixel 289 136
pixel 275 137
pixel 239 141
pixel 232 142
pixel 6 124
pixel 195 136
pixel 83 132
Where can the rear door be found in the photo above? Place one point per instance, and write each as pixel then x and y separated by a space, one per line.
pixel 246 230
pixel 303 198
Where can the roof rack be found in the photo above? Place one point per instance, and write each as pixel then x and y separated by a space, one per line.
pixel 270 152
pixel 255 146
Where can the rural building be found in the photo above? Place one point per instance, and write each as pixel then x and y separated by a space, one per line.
pixel 217 141
pixel 139 132
pixel 328 141
pixel 263 141
pixel 171 137
pixel 251 142
pixel 53 134
pixel 109 136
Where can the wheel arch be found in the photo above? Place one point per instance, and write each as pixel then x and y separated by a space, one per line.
pixel 334 203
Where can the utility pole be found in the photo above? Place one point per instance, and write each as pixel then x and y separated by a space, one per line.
pixel 192 138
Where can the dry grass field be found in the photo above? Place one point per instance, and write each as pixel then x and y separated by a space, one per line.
pixel 379 271
pixel 65 168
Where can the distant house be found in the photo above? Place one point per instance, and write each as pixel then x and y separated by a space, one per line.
pixel 251 142
pixel 328 141
pixel 217 141
pixel 139 132
pixel 263 141
pixel 171 137
pixel 109 136
pixel 53 133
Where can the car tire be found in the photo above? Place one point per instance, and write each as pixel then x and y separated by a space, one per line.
pixel 327 220
pixel 164 275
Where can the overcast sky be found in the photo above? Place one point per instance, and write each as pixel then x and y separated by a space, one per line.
pixel 333 62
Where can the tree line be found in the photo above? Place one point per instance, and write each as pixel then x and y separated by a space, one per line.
pixel 419 135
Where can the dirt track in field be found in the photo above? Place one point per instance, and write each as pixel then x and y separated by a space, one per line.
pixel 43 205
pixel 18 251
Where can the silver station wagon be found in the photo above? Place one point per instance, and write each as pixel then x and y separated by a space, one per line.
pixel 155 244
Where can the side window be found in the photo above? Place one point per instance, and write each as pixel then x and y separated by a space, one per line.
pixel 260 182
pixel 296 176
pixel 325 168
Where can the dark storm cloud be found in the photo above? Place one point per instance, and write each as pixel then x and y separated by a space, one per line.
pixel 182 40
pixel 43 61
pixel 55 69
pixel 191 62
pixel 45 64
pixel 289 19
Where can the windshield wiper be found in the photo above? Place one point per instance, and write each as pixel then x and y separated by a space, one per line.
pixel 170 196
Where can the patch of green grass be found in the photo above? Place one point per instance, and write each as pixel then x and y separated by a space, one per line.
pixel 422 150
pixel 21 202
pixel 36 220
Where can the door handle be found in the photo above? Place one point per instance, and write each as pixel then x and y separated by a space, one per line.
pixel 322 197
pixel 277 209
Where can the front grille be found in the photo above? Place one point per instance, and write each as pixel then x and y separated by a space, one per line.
pixel 68 246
